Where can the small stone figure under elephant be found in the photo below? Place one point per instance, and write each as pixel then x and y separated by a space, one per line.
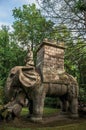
pixel 29 79
pixel 13 108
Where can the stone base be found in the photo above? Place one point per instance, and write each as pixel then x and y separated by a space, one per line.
pixel 64 113
pixel 74 116
pixel 69 115
pixel 36 119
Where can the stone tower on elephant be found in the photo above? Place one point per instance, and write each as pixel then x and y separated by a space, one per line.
pixel 44 80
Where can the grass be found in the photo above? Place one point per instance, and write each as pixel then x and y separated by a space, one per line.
pixel 81 126
pixel 67 127
pixel 48 111
pixel 24 111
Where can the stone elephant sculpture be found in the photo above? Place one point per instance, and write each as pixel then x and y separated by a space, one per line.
pixel 30 81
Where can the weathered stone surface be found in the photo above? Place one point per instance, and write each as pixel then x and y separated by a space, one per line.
pixel 47 79
pixel 50 60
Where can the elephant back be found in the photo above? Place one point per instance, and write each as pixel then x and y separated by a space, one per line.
pixel 71 82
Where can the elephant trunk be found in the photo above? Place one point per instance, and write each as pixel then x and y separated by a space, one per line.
pixel 8 88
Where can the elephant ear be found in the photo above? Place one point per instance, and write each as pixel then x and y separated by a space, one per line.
pixel 29 77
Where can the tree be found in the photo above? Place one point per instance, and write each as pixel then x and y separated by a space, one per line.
pixel 71 13
pixel 30 27
pixel 10 54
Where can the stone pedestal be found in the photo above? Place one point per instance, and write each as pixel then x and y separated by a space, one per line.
pixel 50 60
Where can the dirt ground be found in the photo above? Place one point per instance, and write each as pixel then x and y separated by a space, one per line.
pixel 48 121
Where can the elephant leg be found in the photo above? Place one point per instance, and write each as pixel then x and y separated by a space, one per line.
pixel 30 108
pixel 38 104
pixel 74 107
pixel 64 105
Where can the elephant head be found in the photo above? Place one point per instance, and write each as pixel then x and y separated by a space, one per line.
pixel 20 77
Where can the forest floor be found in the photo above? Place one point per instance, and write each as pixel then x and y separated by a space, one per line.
pixel 52 120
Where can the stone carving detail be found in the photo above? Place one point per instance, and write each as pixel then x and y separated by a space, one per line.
pixel 29 58
pixel 50 60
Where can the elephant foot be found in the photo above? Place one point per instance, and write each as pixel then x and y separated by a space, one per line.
pixel 74 116
pixel 63 113
pixel 36 119
pixel 29 115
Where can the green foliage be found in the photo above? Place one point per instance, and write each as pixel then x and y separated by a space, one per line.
pixel 80 5
pixel 2 96
pixel 75 59
pixel 52 102
pixel 75 64
pixel 82 94
pixel 60 33
pixel 30 26
pixel 10 54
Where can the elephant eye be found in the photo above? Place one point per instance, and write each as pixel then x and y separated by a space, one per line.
pixel 11 75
